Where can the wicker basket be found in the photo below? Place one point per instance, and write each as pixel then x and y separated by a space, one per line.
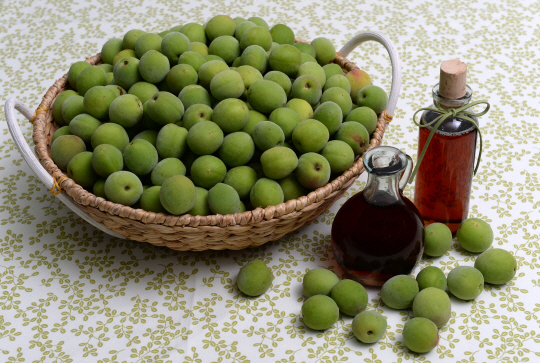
pixel 234 231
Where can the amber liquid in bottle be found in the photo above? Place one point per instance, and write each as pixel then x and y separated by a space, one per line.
pixel 378 233
pixel 373 244
pixel 443 182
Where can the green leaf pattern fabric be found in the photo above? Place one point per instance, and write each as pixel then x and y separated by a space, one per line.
pixel 69 293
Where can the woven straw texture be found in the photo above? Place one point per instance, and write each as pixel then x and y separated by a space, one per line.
pixel 196 233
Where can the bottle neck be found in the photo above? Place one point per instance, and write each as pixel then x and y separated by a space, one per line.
pixel 451 103
pixel 382 190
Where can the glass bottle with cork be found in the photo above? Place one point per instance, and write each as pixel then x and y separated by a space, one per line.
pixel 446 149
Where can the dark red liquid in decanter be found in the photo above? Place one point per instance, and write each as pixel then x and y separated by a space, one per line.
pixel 378 239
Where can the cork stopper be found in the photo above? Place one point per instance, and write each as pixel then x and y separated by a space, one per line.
pixel 453 79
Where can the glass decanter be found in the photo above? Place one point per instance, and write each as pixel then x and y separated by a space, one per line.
pixel 378 233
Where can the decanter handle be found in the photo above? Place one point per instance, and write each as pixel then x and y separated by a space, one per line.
pixel 406 173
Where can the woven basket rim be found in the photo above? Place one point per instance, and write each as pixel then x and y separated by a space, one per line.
pixel 44 126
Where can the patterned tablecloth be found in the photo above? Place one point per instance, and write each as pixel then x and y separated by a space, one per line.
pixel 69 293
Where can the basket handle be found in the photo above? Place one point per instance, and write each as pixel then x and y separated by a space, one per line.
pixel 394 59
pixel 13 104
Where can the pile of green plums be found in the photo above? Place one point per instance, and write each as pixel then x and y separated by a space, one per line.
pixel 426 295
pixel 327 296
pixel 212 119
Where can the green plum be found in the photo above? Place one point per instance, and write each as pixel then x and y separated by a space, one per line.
pixel 338 80
pixel 420 335
pixel 126 72
pixel 193 95
pixel 350 297
pixel 173 46
pixel 197 113
pixel 355 135
pixel 165 169
pixel 223 199
pixel 431 277
pixel 143 90
pixel 227 84
pixel 146 42
pixel 171 141
pixel 237 149
pixel 369 326
pixel 195 32
pixel 265 192
pixel 123 187
pixel 126 110
pixel 242 179
pixel 305 48
pixel 497 266
pixel 319 281
pixel 265 96
pixel 110 133
pixel 320 312
pixel 90 77
pixel 74 70
pixel 107 159
pixel 225 47
pixel 165 108
pixel 358 80
pixel 285 58
pixel 64 130
pixel 97 101
pixel 331 70
pixel 204 138
pixel 287 119
pixel 220 25
pixel 84 125
pixel 373 97
pixel 307 88
pixel 231 114
pixel 80 170
pixel 474 235
pixel 154 66
pixel 280 78
pixel 437 239
pixel 131 37
pixel 254 117
pixel 201 203
pixel 433 304
pixel 330 115
pixel 399 292
pixel 313 170
pixel 292 189
pixel 465 282
pixel 254 278
pixel 207 171
pixel 150 200
pixel 310 136
pixel 64 148
pixel 324 50
pixel 180 76
pixel 267 135
pixel 365 116
pixel 57 106
pixel 302 107
pixel 177 194
pixel 209 70
pixel 339 154
pixel 278 162
pixel 339 96
pixel 193 59
pixel 282 34
pixel 140 157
